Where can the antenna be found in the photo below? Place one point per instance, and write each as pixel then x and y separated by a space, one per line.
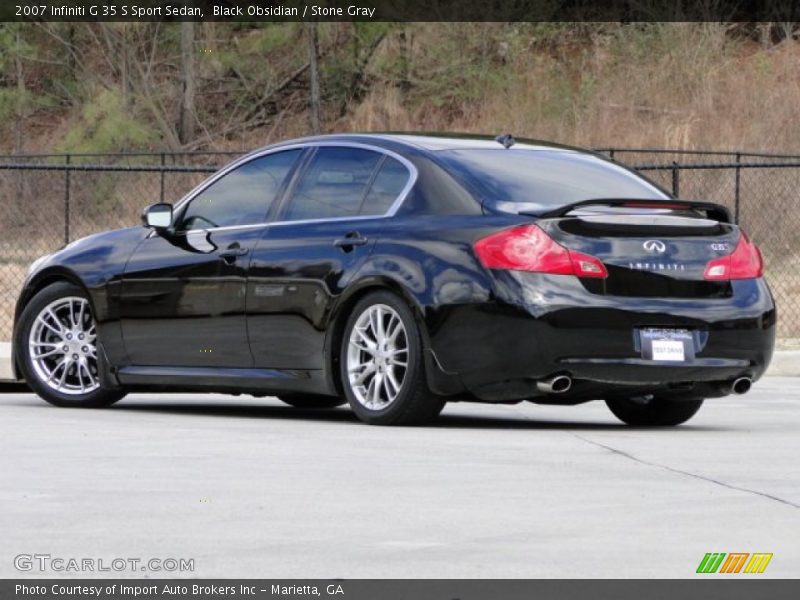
pixel 506 139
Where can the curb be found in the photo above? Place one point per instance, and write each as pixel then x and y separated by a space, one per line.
pixel 6 372
pixel 785 363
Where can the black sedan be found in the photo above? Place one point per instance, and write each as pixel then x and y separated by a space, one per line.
pixel 400 272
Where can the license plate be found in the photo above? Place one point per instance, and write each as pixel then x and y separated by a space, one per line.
pixel 668 350
pixel 667 345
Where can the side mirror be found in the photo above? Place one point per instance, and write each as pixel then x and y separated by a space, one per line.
pixel 157 216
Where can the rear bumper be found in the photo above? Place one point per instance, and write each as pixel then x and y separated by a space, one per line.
pixel 540 325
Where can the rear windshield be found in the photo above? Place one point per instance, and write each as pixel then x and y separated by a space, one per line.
pixel 518 180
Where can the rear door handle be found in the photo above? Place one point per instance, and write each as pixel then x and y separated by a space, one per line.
pixel 349 241
pixel 233 252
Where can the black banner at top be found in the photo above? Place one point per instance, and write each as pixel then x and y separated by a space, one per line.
pixel 394 10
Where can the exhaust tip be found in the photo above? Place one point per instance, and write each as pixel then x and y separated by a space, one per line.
pixel 741 385
pixel 555 385
pixel 560 384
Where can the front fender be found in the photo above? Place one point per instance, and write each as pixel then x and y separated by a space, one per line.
pixel 96 264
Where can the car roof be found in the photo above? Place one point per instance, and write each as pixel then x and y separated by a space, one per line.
pixel 434 142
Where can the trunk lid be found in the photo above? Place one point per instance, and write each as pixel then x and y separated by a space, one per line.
pixel 661 253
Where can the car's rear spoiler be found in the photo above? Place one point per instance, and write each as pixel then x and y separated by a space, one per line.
pixel 713 211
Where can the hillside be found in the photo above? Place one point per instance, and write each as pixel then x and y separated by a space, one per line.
pixel 111 87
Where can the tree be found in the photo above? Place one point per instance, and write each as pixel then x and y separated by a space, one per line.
pixel 313 74
pixel 186 122
pixel 20 120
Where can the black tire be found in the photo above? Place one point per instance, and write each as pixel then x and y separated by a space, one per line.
pixel 96 398
pixel 414 403
pixel 311 401
pixel 656 412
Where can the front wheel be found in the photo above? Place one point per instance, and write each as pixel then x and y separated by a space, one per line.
pixel 653 411
pixel 382 367
pixel 57 349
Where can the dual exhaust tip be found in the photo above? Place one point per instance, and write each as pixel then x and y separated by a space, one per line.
pixel 558 384
pixel 741 385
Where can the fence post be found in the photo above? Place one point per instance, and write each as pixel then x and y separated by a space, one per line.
pixel 66 198
pixel 611 153
pixel 676 184
pixel 737 188
pixel 163 162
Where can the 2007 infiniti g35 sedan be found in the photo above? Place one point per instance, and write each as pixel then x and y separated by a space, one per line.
pixel 400 272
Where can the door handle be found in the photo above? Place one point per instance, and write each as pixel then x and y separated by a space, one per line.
pixel 233 252
pixel 348 242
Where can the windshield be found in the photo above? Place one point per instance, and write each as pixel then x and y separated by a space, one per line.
pixel 520 180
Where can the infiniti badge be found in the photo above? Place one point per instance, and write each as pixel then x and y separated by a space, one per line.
pixel 655 246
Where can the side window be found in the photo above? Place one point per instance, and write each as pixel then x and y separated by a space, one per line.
pixel 242 196
pixel 333 185
pixel 386 187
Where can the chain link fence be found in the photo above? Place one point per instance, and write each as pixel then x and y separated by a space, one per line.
pixel 47 201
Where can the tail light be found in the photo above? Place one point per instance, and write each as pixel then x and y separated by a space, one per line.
pixel 529 248
pixel 744 262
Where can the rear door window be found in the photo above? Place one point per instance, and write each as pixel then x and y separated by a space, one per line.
pixel 334 184
pixel 389 183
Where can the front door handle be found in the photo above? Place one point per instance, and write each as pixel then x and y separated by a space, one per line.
pixel 351 240
pixel 233 252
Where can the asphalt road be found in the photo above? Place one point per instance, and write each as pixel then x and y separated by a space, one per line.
pixel 254 488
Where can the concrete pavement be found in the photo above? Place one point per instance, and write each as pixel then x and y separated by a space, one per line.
pixel 254 488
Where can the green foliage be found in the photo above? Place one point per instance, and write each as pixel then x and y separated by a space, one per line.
pixel 466 62
pixel 551 33
pixel 276 36
pixel 12 100
pixel 106 125
pixel 348 66
pixel 14 41
pixel 16 45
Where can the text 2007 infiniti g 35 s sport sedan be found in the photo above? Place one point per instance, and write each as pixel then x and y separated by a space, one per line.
pixel 399 272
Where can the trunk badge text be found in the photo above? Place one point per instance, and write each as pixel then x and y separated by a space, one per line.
pixel 639 266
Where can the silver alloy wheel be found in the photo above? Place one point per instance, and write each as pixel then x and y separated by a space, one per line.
pixel 62 346
pixel 377 357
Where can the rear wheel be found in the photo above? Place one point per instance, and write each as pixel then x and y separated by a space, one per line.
pixel 311 401
pixel 653 411
pixel 382 368
pixel 57 342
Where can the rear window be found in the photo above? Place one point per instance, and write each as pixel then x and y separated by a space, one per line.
pixel 519 180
